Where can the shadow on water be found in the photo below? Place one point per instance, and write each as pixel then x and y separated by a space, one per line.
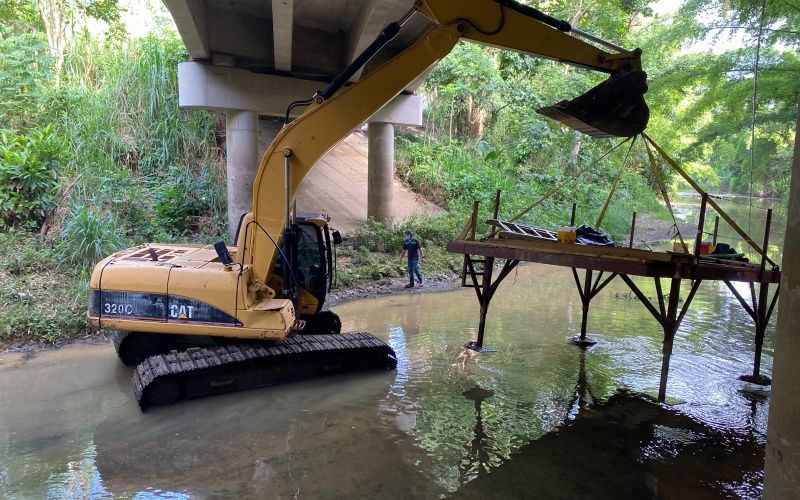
pixel 625 447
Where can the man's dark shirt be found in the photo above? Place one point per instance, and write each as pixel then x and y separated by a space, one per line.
pixel 412 246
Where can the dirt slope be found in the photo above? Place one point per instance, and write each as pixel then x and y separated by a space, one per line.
pixel 338 186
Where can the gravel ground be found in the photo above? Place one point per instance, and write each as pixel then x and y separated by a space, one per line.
pixel 435 283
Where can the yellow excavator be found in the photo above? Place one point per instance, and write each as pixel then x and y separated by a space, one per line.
pixel 206 319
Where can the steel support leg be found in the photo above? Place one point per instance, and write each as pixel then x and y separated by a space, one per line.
pixel 670 326
pixel 761 314
pixel 587 292
pixel 485 291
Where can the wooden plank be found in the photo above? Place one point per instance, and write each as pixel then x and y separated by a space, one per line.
pixel 630 266
pixel 553 254
pixel 594 251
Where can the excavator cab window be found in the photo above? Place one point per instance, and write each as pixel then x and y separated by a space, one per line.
pixel 311 261
pixel 313 255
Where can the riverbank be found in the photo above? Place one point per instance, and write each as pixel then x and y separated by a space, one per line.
pixel 43 307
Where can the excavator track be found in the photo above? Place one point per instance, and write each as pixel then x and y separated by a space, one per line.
pixel 167 378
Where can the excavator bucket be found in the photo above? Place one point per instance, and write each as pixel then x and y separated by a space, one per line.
pixel 615 108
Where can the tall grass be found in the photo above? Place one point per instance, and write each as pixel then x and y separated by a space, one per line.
pixel 146 167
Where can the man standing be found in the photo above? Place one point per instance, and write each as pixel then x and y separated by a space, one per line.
pixel 415 251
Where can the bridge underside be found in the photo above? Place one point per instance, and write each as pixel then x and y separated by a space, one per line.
pixel 251 58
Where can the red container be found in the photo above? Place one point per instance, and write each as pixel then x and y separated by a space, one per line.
pixel 705 247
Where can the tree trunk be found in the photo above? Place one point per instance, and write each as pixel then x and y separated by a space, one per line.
pixel 476 118
pixel 572 166
pixel 579 13
pixel 54 16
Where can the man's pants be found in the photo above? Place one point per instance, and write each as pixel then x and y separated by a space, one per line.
pixel 413 270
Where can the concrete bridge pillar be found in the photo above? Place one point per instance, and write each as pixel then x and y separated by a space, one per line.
pixel 402 110
pixel 246 96
pixel 380 170
pixel 782 470
pixel 241 139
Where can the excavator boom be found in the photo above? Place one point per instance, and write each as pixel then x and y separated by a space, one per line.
pixel 614 108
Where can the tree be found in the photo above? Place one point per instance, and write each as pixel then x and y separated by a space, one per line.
pixel 60 17
pixel 702 94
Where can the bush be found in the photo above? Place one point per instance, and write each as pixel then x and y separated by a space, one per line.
pixel 29 176
pixel 25 71
pixel 182 198
pixel 40 299
pixel 88 237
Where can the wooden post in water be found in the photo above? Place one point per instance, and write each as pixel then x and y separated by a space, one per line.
pixel 761 317
pixel 670 325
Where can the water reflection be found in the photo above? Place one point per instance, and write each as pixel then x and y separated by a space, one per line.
pixel 477 453
pixel 536 418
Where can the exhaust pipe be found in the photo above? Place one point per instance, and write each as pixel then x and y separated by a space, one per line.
pixel 615 108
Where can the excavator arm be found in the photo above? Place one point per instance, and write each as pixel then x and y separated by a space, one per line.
pixel 615 107
pixel 185 292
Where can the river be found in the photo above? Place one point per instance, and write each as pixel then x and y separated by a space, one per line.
pixel 536 418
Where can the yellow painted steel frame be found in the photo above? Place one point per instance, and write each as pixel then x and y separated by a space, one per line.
pixel 326 122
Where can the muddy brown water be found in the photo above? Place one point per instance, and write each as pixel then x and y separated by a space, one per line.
pixel 536 418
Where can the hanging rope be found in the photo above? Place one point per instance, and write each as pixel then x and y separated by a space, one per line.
pixel 614 186
pixel 663 188
pixel 753 114
pixel 562 184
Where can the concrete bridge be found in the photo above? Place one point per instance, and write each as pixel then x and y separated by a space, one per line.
pixel 251 58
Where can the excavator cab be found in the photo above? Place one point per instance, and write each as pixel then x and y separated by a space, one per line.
pixel 314 267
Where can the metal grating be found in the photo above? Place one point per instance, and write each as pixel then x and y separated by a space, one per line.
pixel 522 231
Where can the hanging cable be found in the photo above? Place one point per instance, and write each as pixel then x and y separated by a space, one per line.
pixel 614 186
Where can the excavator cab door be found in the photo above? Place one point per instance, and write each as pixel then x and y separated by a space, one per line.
pixel 313 252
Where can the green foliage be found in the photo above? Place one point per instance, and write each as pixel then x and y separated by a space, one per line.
pixel 372 251
pixel 25 69
pixel 39 301
pixel 455 174
pixel 88 237
pixel 181 198
pixel 150 166
pixel 29 176
pixel 702 100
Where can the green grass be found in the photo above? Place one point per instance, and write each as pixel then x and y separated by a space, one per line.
pixel 372 252
pixel 40 301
